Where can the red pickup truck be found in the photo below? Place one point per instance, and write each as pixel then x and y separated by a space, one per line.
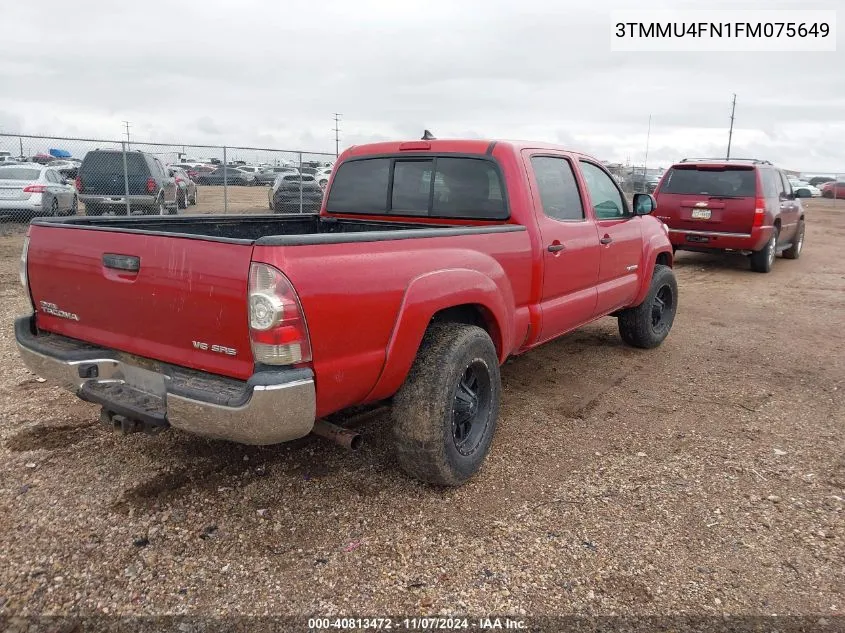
pixel 429 264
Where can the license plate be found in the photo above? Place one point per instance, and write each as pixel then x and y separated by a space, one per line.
pixel 8 193
pixel 701 214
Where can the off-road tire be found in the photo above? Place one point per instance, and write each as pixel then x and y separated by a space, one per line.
pixel 794 251
pixel 424 409
pixel 637 326
pixel 762 260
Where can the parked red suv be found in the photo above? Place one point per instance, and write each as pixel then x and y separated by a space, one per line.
pixel 744 205
pixel 834 189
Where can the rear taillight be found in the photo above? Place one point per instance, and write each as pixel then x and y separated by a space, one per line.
pixel 22 270
pixel 759 211
pixel 35 189
pixel 151 185
pixel 277 326
pixel 179 180
pixel 78 183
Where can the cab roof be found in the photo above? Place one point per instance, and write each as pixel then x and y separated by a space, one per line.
pixel 452 146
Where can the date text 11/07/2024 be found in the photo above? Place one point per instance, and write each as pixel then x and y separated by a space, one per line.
pixel 417 624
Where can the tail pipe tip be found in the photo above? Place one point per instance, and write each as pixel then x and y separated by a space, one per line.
pixel 346 438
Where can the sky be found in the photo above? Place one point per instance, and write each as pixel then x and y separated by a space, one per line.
pixel 271 73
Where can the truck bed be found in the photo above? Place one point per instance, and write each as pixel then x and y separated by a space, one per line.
pixel 272 230
pixel 166 288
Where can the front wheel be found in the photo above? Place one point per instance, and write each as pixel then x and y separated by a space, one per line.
pixel 444 416
pixel 647 325
pixel 763 260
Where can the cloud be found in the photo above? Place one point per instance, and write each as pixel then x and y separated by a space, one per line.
pixel 256 73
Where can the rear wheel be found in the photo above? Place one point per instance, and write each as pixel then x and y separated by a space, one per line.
pixel 444 416
pixel 193 198
pixel 74 206
pixel 54 207
pixel 182 199
pixel 647 325
pixel 762 260
pixel 794 251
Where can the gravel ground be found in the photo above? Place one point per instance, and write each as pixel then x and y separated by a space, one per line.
pixel 703 477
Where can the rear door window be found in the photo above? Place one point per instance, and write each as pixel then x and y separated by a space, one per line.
pixel 443 186
pixel 787 186
pixel 558 188
pixel 771 184
pixel 708 181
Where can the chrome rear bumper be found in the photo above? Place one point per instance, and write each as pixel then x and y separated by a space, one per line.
pixel 269 408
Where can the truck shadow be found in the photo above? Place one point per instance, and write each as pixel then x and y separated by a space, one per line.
pixel 712 261
pixel 192 465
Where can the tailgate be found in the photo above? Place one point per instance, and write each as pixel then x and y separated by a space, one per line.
pixel 708 198
pixel 703 213
pixel 113 184
pixel 186 304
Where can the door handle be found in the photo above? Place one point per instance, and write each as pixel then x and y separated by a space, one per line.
pixel 606 239
pixel 555 247
pixel 129 263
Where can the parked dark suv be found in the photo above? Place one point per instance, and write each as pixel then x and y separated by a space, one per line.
pixel 744 205
pixel 295 193
pixel 102 184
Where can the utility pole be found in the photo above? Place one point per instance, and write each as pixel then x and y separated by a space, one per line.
pixel 127 125
pixel 336 129
pixel 731 131
pixel 647 139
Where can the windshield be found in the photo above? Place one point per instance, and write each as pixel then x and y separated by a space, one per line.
pixel 726 181
pixel 19 173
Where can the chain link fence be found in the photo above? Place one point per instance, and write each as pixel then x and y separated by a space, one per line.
pixel 54 175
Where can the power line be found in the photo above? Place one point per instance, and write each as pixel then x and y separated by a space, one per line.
pixel 336 129
pixel 731 131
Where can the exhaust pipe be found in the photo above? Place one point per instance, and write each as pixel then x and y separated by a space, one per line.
pixel 346 438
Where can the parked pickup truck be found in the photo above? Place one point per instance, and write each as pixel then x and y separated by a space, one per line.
pixel 429 264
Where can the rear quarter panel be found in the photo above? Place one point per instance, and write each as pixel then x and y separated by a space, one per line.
pixel 367 304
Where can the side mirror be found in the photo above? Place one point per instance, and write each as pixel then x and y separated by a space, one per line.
pixel 803 193
pixel 644 203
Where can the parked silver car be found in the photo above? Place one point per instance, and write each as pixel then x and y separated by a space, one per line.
pixel 33 189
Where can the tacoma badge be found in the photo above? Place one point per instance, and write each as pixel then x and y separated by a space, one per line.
pixel 52 308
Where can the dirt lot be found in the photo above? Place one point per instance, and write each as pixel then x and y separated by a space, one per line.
pixel 706 476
